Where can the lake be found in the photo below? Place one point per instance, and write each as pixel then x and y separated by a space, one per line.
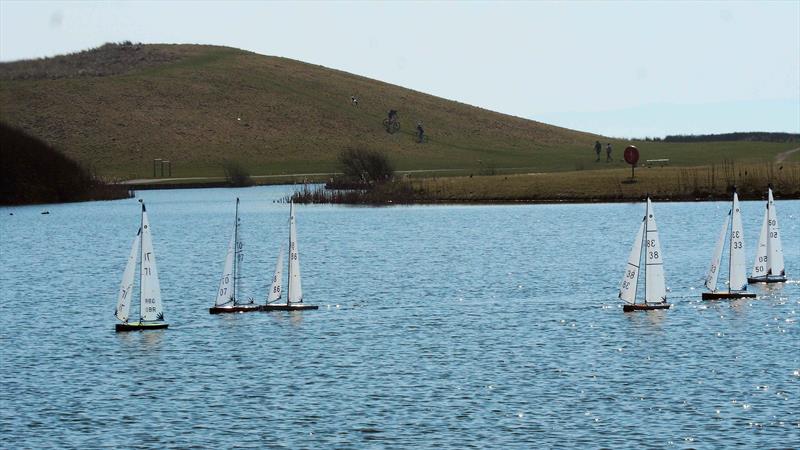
pixel 439 326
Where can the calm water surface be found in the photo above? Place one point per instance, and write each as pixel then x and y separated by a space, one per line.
pixel 451 326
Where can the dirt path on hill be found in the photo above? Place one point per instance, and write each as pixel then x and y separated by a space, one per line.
pixel 780 157
pixel 287 175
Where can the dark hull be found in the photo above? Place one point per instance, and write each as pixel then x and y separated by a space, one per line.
pixel 766 280
pixel 234 309
pixel 285 307
pixel 644 306
pixel 727 295
pixel 140 326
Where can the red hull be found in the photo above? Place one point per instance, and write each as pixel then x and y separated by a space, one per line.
pixel 285 307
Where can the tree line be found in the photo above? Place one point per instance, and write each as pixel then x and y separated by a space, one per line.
pixel 757 136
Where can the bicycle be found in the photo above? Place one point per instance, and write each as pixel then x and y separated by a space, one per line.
pixel 392 126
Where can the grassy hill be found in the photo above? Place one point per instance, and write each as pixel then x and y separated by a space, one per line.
pixel 118 107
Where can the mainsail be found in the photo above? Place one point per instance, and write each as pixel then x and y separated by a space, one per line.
pixel 295 294
pixel 655 285
pixel 225 291
pixel 627 290
pixel 713 272
pixel 151 308
pixel 229 282
pixel 275 290
pixel 126 286
pixel 775 255
pixel 760 265
pixel 738 277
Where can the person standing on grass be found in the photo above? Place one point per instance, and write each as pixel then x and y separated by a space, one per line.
pixel 597 148
pixel 608 152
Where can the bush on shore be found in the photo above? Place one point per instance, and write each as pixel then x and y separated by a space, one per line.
pixel 236 175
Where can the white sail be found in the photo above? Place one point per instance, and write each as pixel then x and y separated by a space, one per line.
pixel 760 264
pixel 295 294
pixel 713 272
pixel 775 256
pixel 655 285
pixel 225 291
pixel 275 290
pixel 151 308
pixel 738 277
pixel 627 289
pixel 126 286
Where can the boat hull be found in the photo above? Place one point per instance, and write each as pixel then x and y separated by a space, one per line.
pixel 285 307
pixel 234 309
pixel 727 295
pixel 630 307
pixel 141 326
pixel 766 280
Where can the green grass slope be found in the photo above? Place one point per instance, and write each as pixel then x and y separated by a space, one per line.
pixel 118 107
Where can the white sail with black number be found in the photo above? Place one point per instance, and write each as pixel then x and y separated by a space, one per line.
pixel 738 276
pixel 775 255
pixel 655 284
pixel 225 291
pixel 151 308
pixel 716 259
pixel 627 289
pixel 295 294
pixel 275 289
pixel 761 263
pixel 126 286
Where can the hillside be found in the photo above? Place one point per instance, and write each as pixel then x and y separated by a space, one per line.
pixel 118 107
pixel 33 172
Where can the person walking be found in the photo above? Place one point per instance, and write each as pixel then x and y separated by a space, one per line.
pixel 608 152
pixel 597 148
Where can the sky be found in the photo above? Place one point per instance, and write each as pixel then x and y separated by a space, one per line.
pixel 623 69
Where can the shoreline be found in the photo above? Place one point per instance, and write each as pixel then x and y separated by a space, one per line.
pixel 613 185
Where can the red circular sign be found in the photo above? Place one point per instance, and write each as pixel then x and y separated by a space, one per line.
pixel 631 155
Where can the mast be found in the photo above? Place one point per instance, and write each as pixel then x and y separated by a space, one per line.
pixel 769 235
pixel 644 239
pixel 235 250
pixel 289 278
pixel 141 264
pixel 730 241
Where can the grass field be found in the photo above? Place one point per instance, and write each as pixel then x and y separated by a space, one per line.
pixel 712 182
pixel 199 105
pixel 667 183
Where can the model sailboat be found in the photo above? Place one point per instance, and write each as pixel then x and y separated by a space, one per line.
pixel 737 280
pixel 655 290
pixel 151 311
pixel 294 296
pixel 768 266
pixel 227 300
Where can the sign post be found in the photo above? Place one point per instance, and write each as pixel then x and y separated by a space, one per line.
pixel 631 156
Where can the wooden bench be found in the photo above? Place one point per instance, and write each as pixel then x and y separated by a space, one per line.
pixel 660 162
